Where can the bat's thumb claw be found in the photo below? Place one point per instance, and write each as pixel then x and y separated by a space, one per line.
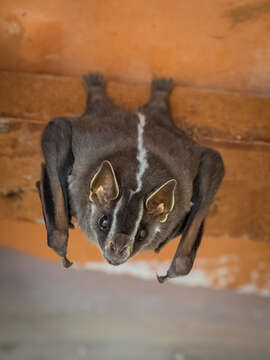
pixel 66 262
pixel 162 279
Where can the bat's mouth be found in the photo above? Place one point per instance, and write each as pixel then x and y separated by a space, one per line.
pixel 116 262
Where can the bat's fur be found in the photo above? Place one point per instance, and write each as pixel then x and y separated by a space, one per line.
pixel 99 154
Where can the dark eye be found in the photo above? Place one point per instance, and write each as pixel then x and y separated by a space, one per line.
pixel 104 223
pixel 142 234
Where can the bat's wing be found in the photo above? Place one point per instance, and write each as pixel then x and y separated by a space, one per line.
pixel 206 183
pixel 53 184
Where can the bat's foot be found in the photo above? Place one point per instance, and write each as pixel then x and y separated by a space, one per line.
pixel 164 85
pixel 95 87
pixel 158 102
pixel 93 80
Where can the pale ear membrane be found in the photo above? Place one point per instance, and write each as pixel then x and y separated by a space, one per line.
pixel 104 186
pixel 161 201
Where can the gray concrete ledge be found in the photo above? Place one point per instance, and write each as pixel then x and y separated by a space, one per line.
pixel 49 313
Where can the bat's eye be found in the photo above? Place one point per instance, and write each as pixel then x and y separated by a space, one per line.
pixel 142 234
pixel 104 223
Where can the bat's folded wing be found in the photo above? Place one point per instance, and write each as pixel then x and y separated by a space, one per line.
pixel 205 186
pixel 53 188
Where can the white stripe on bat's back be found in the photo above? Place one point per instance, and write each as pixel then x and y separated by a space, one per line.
pixel 141 154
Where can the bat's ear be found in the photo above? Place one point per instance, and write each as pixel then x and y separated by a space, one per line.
pixel 161 201
pixel 104 186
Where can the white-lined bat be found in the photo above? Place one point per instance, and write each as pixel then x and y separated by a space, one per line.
pixel 132 179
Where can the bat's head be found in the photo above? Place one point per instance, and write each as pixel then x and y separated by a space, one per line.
pixel 123 221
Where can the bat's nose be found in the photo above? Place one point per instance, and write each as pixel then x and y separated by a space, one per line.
pixel 115 249
pixel 118 250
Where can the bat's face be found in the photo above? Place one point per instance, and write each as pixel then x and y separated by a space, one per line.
pixel 122 220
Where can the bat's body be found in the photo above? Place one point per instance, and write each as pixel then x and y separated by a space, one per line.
pixel 132 180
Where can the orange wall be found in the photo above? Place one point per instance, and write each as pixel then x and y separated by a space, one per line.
pixel 212 43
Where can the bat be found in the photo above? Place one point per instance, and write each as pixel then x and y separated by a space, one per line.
pixel 132 179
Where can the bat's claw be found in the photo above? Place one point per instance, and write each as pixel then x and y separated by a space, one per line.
pixel 162 279
pixel 66 262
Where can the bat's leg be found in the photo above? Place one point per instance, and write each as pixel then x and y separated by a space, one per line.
pixel 96 95
pixel 160 92
pixel 158 104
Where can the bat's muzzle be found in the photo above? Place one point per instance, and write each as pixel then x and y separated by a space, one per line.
pixel 118 250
